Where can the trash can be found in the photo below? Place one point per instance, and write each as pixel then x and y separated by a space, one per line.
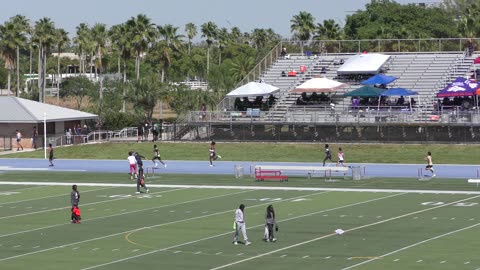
pixel 238 170
pixel 357 173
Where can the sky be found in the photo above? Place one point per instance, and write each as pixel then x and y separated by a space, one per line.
pixel 245 14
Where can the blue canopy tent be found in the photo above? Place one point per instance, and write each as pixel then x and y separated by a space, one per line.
pixel 398 92
pixel 379 79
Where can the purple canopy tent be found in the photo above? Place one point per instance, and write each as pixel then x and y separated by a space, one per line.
pixel 461 87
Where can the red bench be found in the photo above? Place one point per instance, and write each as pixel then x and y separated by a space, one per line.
pixel 262 175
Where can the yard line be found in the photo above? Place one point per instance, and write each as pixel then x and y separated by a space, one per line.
pixel 333 234
pixel 419 191
pixel 158 225
pixel 413 245
pixel 260 225
pixel 85 204
pixel 52 196
pixel 125 213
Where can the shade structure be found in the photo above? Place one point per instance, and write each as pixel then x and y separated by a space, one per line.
pixel 461 87
pixel 398 92
pixel 319 85
pixel 365 91
pixel 379 79
pixel 253 89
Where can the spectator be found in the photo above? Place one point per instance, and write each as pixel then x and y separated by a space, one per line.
pixel 284 74
pixel 469 47
pixel 412 101
pixel 271 100
pixel 237 105
pixel 315 97
pixel 284 53
pixel 140 130
pixel 19 140
pixel 400 101
pixel 68 134
pixel 204 112
pixel 155 132
pixel 246 103
pixel 34 138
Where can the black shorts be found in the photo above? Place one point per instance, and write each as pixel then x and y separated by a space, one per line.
pixel 429 166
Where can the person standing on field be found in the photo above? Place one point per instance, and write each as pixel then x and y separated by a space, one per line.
pixel 270 222
pixel 50 154
pixel 240 225
pixel 19 140
pixel 74 201
pixel 429 166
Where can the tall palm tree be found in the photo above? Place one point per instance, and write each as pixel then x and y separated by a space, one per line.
pixel 223 39
pixel 209 31
pixel 170 43
pixel 302 26
pixel 7 48
pixel 142 34
pixel 259 38
pixel 100 38
pixel 191 30
pixel 119 35
pixel 61 39
pixel 83 41
pixel 329 29
pixel 44 36
pixel 23 29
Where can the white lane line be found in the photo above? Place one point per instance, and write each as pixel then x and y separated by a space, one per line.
pixel 260 225
pixel 396 260
pixel 346 231
pixel 136 250
pixel 283 256
pixel 52 196
pixel 86 204
pixel 419 261
pixel 178 251
pixel 130 212
pixel 306 257
pixel 443 262
pixel 249 188
pixel 218 253
pixel 95 249
pixel 116 249
pixel 239 254
pixel 198 252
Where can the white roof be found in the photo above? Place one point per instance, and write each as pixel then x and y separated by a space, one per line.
pixel 318 85
pixel 368 63
pixel 253 89
pixel 19 110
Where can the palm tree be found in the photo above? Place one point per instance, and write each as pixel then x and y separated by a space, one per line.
pixel 223 39
pixel 259 38
pixel 302 26
pixel 23 27
pixel 209 31
pixel 100 38
pixel 121 41
pixel 44 36
pixel 83 41
pixel 7 48
pixel 170 43
pixel 328 30
pixel 142 34
pixel 191 30
pixel 61 39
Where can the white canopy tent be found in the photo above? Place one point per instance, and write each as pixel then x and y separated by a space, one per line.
pixel 369 63
pixel 318 85
pixel 253 89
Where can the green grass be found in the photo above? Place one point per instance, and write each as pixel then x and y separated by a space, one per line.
pixel 300 152
pixel 185 228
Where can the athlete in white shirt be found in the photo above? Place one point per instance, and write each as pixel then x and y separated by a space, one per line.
pixel 240 225
pixel 132 161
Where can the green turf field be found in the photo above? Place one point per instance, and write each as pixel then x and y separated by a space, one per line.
pixel 191 228
pixel 298 152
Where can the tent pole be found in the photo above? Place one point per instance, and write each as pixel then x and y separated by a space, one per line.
pixel 45 134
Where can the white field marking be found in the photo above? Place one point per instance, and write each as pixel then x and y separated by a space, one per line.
pixel 53 196
pixel 35 247
pixel 75 248
pixel 136 250
pixel 419 261
pixel 466 263
pixel 116 249
pixel 229 232
pixel 178 251
pixel 17 246
pixel 328 257
pixel 198 252
pixel 413 245
pixel 239 254
pixel 130 212
pixel 443 262
pixel 306 256
pixel 283 256
pixel 346 231
pixel 218 253
pixel 86 204
pixel 95 249
pixel 248 188
pixel 396 260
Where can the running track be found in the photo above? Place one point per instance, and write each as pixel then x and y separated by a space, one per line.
pixel 227 167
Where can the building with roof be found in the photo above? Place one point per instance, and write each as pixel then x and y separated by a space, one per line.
pixel 23 114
